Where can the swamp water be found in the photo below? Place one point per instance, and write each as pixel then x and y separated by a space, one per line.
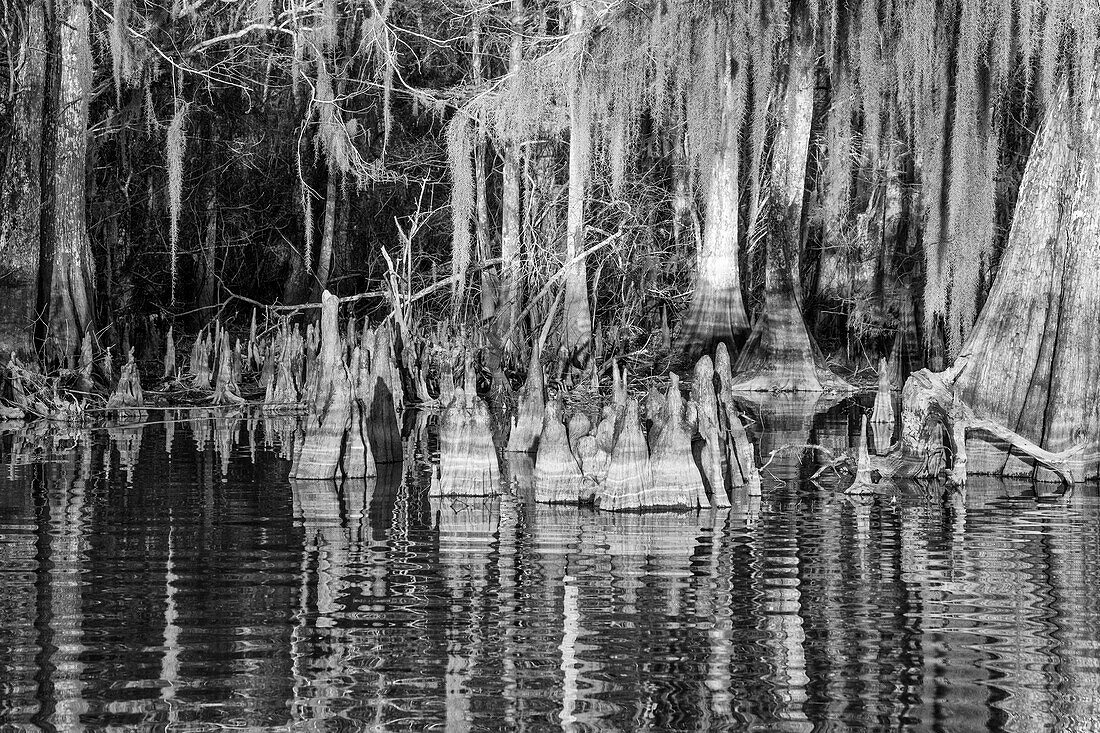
pixel 170 575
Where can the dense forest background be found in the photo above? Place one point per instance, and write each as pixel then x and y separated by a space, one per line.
pixel 672 168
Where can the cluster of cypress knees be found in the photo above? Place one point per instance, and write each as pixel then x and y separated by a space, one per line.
pixel 680 454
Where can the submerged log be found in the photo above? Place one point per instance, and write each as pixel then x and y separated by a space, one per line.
pixel 676 478
pixel 558 477
pixel 531 410
pixel 467 456
pixel 629 482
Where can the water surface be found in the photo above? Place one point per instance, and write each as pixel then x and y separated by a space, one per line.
pixel 171 575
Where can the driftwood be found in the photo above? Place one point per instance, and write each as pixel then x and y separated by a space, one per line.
pixel 928 399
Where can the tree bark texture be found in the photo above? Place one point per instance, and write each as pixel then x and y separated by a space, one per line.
pixel 577 334
pixel 511 294
pixel 71 274
pixel 780 354
pixel 717 311
pixel 1032 362
pixel 21 192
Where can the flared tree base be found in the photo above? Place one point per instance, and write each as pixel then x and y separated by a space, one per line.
pixel 781 356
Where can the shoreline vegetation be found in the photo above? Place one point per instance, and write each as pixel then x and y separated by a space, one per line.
pixel 592 232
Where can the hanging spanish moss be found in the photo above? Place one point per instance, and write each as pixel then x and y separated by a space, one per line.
pixel 176 143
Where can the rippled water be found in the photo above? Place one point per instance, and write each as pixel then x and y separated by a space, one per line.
pixel 190 584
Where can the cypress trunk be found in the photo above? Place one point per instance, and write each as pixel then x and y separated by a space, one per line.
pixel 21 192
pixel 328 234
pixel 1032 363
pixel 717 312
pixel 71 275
pixel 511 294
pixel 780 354
pixel 577 336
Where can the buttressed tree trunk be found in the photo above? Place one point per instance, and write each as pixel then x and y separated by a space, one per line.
pixel 72 274
pixel 577 333
pixel 21 192
pixel 717 312
pixel 1032 362
pixel 780 354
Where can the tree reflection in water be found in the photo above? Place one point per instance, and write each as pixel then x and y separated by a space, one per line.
pixel 151 577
